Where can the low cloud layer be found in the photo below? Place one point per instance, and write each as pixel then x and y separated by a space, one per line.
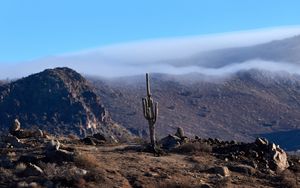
pixel 157 56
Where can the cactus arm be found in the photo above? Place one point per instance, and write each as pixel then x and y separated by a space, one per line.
pixel 156 112
pixel 144 107
pixel 148 85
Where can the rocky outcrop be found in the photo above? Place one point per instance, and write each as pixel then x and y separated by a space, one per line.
pixel 260 154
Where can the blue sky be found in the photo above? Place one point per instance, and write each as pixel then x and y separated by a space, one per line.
pixel 33 28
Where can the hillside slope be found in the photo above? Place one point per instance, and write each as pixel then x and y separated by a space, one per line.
pixel 240 107
pixel 58 100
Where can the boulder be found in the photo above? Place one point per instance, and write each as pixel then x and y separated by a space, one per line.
pixel 244 169
pixel 169 142
pixel 53 145
pixel 221 170
pixel 261 142
pixel 99 136
pixel 277 158
pixel 12 141
pixel 32 170
pixel 16 126
pixel 179 133
pixel 58 156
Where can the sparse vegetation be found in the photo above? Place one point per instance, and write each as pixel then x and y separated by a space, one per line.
pixel 289 179
pixel 193 148
pixel 87 161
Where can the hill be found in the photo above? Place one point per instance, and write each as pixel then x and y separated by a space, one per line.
pixel 284 50
pixel 57 100
pixel 239 107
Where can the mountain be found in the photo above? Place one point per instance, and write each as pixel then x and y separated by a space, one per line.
pixel 285 50
pixel 58 100
pixel 239 107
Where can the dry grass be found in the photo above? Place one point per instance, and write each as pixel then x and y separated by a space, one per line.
pixel 194 148
pixel 20 167
pixel 289 179
pixel 86 161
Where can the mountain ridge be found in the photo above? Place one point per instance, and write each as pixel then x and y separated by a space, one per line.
pixel 58 100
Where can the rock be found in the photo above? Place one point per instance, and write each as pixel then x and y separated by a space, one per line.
pixel 53 145
pixel 205 186
pixel 29 133
pixel 113 139
pixel 261 142
pixel 16 126
pixel 169 142
pixel 99 136
pixel 89 141
pixel 13 141
pixel 180 133
pixel 32 170
pixel 277 158
pixel 59 156
pixel 222 170
pixel 244 169
pixel 22 184
pixel 33 185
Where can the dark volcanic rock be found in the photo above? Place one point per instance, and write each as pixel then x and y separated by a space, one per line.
pixel 56 100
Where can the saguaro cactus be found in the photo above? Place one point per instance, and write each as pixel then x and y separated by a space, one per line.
pixel 150 110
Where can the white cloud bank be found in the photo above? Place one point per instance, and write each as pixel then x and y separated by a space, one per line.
pixel 157 55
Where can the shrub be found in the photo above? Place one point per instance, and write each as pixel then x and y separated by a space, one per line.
pixel 194 148
pixel 289 179
pixel 86 161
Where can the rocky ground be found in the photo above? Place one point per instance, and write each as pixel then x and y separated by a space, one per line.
pixel 43 160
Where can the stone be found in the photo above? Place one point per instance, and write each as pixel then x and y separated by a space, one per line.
pixel 244 169
pixel 221 170
pixel 99 136
pixel 89 141
pixel 16 126
pixel 22 184
pixel 59 156
pixel 53 145
pixel 170 142
pixel 261 142
pixel 277 158
pixel 180 133
pixel 12 140
pixel 113 139
pixel 32 170
pixel 205 186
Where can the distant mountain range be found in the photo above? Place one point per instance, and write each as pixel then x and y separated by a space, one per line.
pixel 285 50
pixel 241 107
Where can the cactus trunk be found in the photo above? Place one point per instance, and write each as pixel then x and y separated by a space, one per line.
pixel 150 111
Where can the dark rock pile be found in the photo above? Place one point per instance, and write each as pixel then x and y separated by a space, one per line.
pixel 260 154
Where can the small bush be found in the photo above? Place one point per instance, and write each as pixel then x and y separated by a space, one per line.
pixel 289 179
pixel 86 161
pixel 194 148
pixel 174 185
pixel 73 137
pixel 20 167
